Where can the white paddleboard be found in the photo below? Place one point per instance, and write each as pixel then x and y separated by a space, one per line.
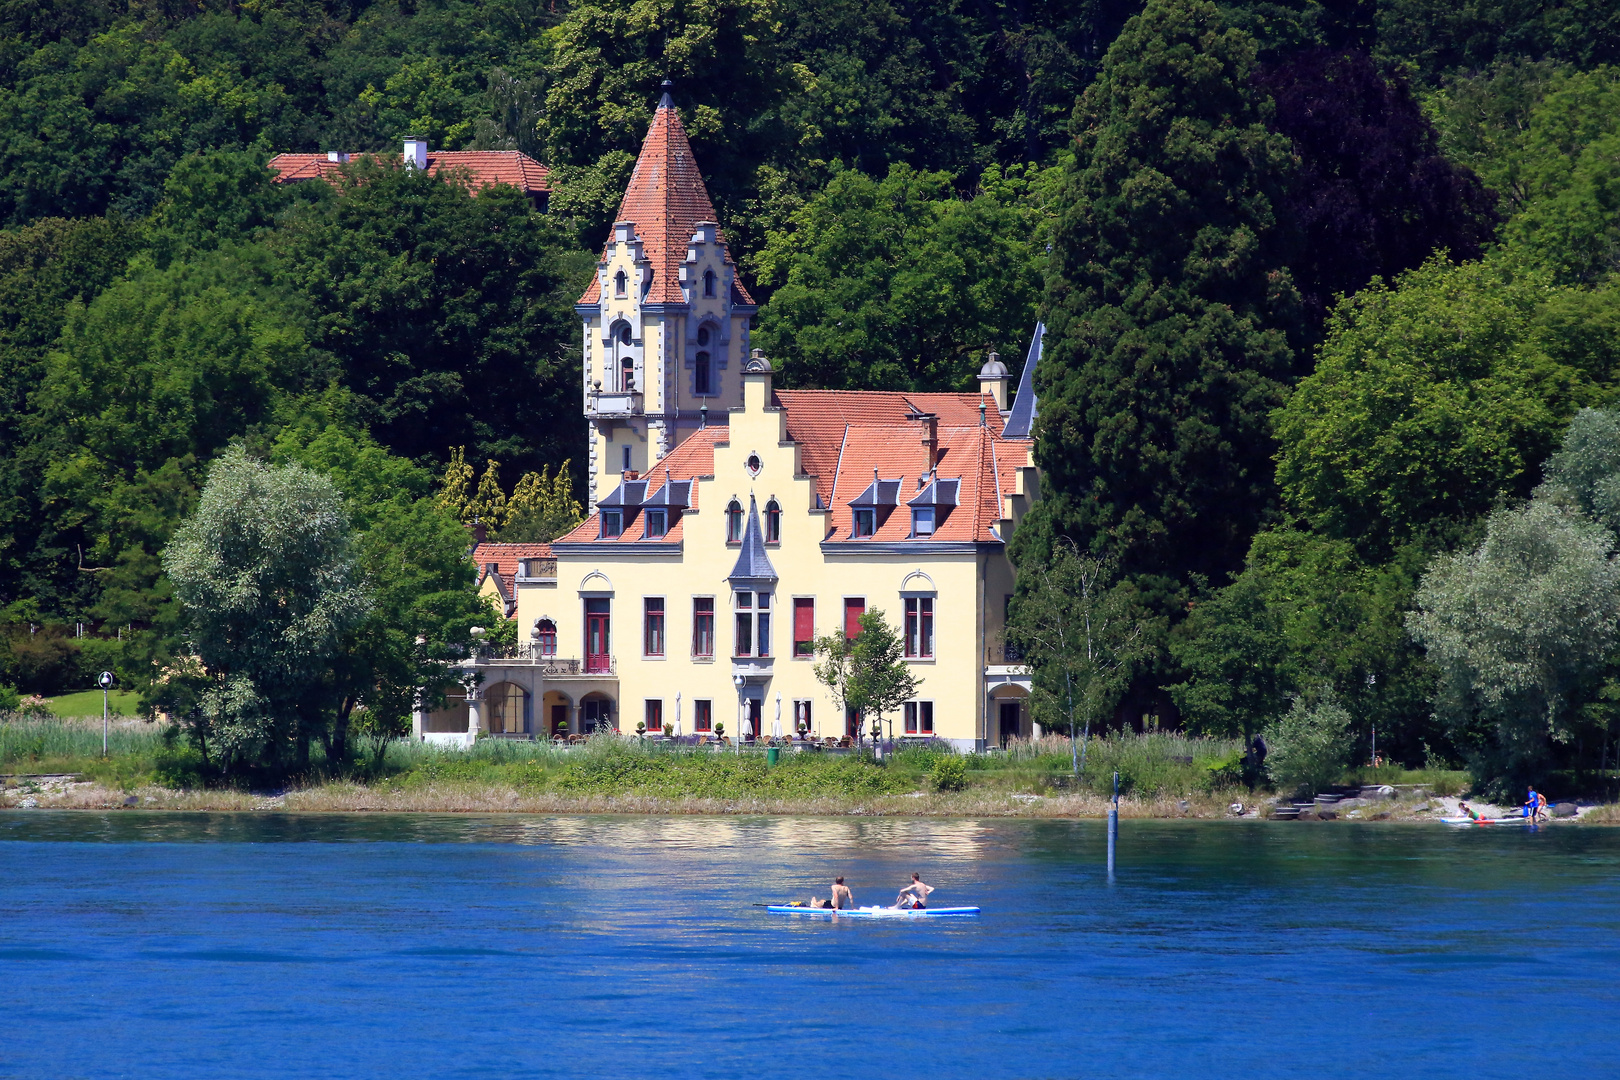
pixel 875 912
pixel 1487 821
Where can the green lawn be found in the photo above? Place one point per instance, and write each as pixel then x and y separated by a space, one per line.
pixel 88 703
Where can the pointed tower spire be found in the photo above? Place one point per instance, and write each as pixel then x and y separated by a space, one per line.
pixel 666 200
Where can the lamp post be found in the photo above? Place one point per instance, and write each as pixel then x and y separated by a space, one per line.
pixel 1372 680
pixel 105 681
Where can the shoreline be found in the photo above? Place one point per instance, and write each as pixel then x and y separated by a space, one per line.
pixel 68 792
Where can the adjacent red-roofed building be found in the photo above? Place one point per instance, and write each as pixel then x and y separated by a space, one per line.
pixel 481 168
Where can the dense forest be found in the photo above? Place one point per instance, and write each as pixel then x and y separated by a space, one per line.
pixel 1326 284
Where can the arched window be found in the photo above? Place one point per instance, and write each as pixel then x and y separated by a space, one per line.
pixel 624 331
pixel 708 283
pixel 734 523
pixel 704 336
pixel 700 374
pixel 627 373
pixel 773 523
pixel 546 638
pixel 619 284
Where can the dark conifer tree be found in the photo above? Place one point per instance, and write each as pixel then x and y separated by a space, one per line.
pixel 1170 308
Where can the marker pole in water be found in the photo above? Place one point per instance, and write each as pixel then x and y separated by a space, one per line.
pixel 1113 827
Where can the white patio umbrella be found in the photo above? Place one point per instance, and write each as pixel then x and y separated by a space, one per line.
pixel 677 715
pixel 776 725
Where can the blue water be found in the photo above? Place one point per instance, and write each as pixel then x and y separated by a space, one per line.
pixel 142 944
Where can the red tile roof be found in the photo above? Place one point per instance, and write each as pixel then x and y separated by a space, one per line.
pixel 816 420
pixel 844 435
pixel 666 198
pixel 693 458
pixel 488 167
pixel 502 561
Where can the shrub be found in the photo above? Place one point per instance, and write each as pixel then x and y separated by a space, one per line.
pixel 1307 749
pixel 949 774
pixel 10 699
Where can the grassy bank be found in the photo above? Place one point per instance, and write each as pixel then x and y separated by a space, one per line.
pixel 1160 775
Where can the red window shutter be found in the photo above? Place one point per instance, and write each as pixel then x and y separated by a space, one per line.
pixel 854 608
pixel 804 620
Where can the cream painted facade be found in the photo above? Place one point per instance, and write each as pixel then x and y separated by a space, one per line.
pixel 965 683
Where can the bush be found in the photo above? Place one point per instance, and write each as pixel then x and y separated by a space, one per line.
pixel 10 699
pixel 949 774
pixel 1307 749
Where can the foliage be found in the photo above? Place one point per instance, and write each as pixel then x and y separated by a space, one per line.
pixel 542 507
pixel 1079 637
pixel 949 774
pixel 1308 747
pixel 451 316
pixel 1436 36
pixel 899 284
pixel 1373 196
pixel 1520 628
pixel 1430 401
pixel 1170 305
pixel 1586 468
pixel 270 582
pixel 868 672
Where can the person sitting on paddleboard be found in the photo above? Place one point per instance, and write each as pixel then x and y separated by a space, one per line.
pixel 916 893
pixel 842 898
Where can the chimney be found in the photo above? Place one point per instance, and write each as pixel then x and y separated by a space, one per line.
pixel 994 380
pixel 416 152
pixel 480 531
pixel 930 436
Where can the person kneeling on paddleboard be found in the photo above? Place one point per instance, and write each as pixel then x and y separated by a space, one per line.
pixel 1469 810
pixel 914 895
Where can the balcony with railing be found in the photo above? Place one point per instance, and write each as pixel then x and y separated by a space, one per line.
pixel 550 667
pixel 613 404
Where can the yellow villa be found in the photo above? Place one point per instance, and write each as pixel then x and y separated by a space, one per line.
pixel 731 522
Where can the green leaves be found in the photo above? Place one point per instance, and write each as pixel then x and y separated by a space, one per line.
pixel 899 284
pixel 1430 400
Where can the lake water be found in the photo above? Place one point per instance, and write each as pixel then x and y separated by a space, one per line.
pixel 141 944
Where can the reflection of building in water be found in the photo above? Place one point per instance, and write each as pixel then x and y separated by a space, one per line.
pixel 733 522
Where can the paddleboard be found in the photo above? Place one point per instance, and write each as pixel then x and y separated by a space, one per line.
pixel 875 912
pixel 1487 821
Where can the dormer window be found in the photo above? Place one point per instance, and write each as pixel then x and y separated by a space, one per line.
pixel 657 523
pixel 708 283
pixel 865 522
pixel 621 285
pixel 612 524
pixel 773 522
pixel 931 505
pixel 922 521
pixel 734 522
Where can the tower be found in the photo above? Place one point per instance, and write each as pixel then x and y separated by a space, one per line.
pixel 665 319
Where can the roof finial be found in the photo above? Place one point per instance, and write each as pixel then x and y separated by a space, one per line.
pixel 666 86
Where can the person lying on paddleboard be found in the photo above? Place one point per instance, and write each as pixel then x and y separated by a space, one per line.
pixel 914 895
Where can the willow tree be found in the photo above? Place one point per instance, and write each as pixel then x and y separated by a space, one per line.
pixel 269 577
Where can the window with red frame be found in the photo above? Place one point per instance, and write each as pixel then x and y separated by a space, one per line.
pixel 919 627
